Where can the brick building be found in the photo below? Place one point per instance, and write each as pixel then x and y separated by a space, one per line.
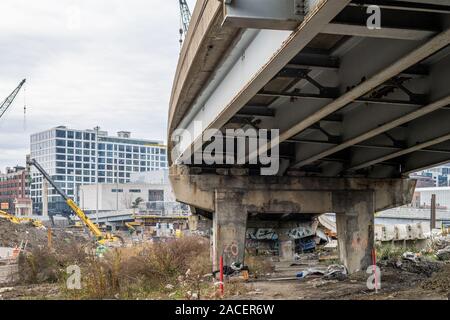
pixel 15 191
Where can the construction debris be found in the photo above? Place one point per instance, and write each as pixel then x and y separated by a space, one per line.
pixel 444 254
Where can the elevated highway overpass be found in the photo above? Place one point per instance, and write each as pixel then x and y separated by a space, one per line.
pixel 356 107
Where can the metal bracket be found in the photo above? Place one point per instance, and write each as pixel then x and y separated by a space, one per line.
pixel 304 75
pixel 397 83
pixel 395 142
pixel 331 138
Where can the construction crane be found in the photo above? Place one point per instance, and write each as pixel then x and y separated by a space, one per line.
pixel 185 19
pixel 102 238
pixel 9 100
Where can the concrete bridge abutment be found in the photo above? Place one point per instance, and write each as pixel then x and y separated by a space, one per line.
pixel 233 201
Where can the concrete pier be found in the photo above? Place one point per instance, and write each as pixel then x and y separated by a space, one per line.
pixel 234 202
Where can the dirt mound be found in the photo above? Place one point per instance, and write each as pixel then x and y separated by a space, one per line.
pixel 11 235
pixel 439 281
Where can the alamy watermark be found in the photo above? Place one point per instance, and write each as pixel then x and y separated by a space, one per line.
pixel 228 147
pixel 374 280
pixel 374 20
pixel 73 281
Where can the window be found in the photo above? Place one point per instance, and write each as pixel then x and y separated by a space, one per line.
pixel 61 164
pixel 70 134
pixel 135 190
pixel 61 143
pixel 117 190
pixel 70 144
pixel 155 195
pixel 78 135
pixel 60 134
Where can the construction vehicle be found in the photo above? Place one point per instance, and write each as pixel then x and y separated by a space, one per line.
pixel 131 225
pixel 19 220
pixel 9 217
pixel 10 99
pixel 101 237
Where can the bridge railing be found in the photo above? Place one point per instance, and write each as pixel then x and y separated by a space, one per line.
pixel 163 208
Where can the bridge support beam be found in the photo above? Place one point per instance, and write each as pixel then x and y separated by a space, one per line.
pixel 229 227
pixel 355 230
pixel 232 199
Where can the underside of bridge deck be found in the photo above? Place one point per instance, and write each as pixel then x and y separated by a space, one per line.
pixel 348 101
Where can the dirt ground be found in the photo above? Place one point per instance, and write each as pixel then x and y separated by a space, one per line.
pixel 395 284
pixel 400 278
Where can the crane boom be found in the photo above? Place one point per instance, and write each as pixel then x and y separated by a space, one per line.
pixel 101 237
pixel 9 100
pixel 185 19
pixel 185 15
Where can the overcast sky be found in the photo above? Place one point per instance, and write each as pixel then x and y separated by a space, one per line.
pixel 87 62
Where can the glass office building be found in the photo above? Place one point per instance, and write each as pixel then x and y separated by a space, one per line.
pixel 78 157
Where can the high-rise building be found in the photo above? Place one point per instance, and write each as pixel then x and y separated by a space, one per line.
pixel 79 157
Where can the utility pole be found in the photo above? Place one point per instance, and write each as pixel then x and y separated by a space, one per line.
pixel 44 197
pixel 97 128
pixel 433 212
pixel 116 174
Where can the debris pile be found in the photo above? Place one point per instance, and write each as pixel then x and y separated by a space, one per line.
pixel 12 235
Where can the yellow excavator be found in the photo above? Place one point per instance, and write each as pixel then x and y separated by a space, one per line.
pixel 131 225
pixel 19 220
pixel 101 237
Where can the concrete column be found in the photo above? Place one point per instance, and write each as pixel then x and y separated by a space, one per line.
pixel 355 230
pixel 286 246
pixel 229 227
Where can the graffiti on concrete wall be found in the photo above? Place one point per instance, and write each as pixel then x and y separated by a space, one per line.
pixel 261 234
pixel 301 232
